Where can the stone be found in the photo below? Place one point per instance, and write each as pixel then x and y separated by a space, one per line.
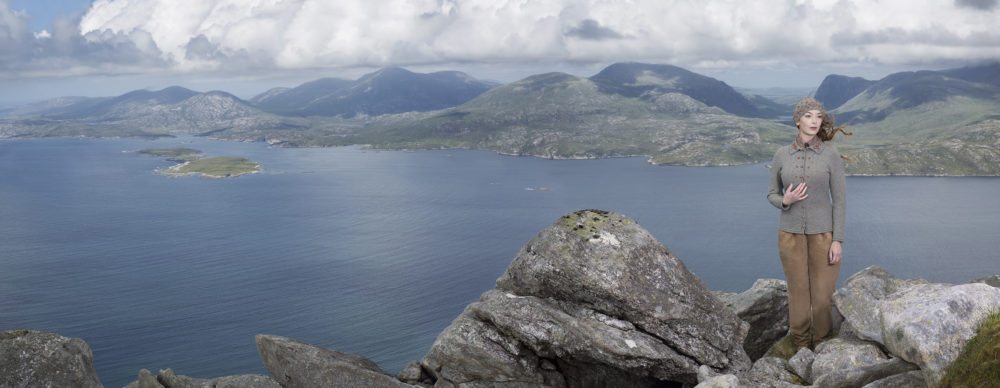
pixel 31 358
pixel 765 307
pixel 844 354
pixel 858 300
pixel 990 280
pixel 930 324
pixel 705 373
pixel 168 379
pixel 591 301
pixel 856 377
pixel 413 373
pixel 470 351
pixel 245 381
pixel 770 372
pixel 903 380
pixel 720 381
pixel 610 264
pixel 801 364
pixel 298 364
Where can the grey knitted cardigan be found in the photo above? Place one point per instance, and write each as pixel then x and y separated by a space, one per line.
pixel 820 166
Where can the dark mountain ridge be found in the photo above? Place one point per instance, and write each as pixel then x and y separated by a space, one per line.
pixel 386 91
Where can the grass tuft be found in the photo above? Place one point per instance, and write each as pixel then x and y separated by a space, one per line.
pixel 979 363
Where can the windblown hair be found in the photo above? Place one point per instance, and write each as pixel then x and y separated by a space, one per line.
pixel 827 130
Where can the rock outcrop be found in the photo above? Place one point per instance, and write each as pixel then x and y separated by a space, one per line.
pixel 593 300
pixel 297 364
pixel 37 359
pixel 168 379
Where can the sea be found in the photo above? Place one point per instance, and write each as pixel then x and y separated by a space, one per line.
pixel 376 252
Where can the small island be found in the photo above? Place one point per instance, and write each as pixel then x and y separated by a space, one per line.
pixel 193 162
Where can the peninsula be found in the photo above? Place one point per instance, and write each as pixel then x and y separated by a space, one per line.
pixel 192 162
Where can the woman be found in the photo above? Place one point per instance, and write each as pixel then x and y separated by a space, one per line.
pixel 807 184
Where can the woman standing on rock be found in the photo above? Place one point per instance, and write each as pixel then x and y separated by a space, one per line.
pixel 807 184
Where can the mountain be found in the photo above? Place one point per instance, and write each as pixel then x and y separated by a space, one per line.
pixel 835 89
pixel 648 80
pixel 927 123
pixel 558 115
pixel 908 90
pixel 389 90
pixel 173 110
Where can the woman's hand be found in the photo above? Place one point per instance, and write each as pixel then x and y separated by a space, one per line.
pixel 836 250
pixel 794 195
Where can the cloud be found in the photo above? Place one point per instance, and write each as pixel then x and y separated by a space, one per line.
pixel 984 5
pixel 250 35
pixel 590 29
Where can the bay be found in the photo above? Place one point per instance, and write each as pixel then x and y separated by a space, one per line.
pixel 375 252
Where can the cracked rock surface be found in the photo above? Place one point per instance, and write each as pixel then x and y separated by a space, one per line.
pixel 593 300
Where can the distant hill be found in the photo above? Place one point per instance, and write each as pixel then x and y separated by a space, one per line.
pixel 173 110
pixel 643 80
pixel 927 123
pixel 835 89
pixel 387 91
pixel 558 115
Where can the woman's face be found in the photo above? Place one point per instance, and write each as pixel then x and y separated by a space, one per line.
pixel 809 122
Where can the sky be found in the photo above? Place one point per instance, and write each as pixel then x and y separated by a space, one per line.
pixel 51 48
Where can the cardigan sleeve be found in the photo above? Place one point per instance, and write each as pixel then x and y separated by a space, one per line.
pixel 838 193
pixel 775 192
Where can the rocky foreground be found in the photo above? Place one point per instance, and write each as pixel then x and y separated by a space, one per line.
pixel 595 301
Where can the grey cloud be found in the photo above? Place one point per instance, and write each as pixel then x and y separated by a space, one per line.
pixel 984 5
pixel 200 48
pixel 933 36
pixel 21 51
pixel 590 29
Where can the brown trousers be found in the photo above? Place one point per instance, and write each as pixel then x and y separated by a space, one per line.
pixel 811 282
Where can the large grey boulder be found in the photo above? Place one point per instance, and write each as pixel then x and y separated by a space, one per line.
pixel 765 307
pixel 31 358
pixel 858 300
pixel 593 300
pixel 930 324
pixel 297 364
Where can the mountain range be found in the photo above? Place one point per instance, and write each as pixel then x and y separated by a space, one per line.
pixel 914 123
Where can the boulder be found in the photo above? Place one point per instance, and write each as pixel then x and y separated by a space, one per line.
pixel 801 364
pixel 297 364
pixel 856 377
pixel 593 300
pixel 31 358
pixel 168 379
pixel 990 280
pixel 413 373
pixel 858 300
pixel 929 324
pixel 903 380
pixel 842 353
pixel 765 307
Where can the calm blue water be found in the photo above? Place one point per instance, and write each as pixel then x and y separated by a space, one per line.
pixel 375 253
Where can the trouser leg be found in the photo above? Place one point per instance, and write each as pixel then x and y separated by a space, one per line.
pixel 793 250
pixel 822 283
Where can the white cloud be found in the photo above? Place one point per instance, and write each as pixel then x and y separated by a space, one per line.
pixel 190 35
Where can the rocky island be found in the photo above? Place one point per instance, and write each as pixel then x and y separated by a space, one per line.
pixel 594 300
pixel 191 161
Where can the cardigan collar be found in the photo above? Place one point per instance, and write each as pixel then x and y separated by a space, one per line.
pixel 815 144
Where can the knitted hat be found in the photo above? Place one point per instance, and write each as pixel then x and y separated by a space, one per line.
pixel 804 105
